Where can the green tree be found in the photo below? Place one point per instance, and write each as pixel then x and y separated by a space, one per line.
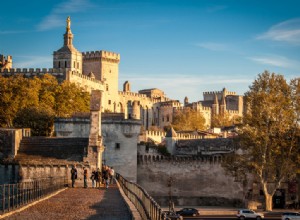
pixel 267 136
pixel 33 102
pixel 69 99
pixel 188 120
pixel 16 93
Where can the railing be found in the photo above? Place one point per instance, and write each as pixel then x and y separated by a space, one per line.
pixel 145 204
pixel 15 195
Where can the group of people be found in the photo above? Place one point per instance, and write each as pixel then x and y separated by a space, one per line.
pixel 105 177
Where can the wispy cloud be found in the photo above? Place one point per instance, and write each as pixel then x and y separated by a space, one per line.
pixel 287 31
pixel 59 12
pixel 275 60
pixel 33 61
pixel 12 32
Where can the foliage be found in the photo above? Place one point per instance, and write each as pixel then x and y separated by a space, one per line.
pixel 188 119
pixel 267 136
pixel 34 102
pixel 221 120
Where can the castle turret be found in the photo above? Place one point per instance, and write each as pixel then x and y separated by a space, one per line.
pixel 223 103
pixel 68 57
pixel 186 101
pixel 126 87
pixel 136 112
pixel 5 62
pixel 215 106
pixel 171 139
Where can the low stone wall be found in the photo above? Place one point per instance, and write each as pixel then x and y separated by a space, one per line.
pixel 195 182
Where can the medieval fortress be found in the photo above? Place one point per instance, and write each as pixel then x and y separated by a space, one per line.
pixel 99 70
pixel 117 132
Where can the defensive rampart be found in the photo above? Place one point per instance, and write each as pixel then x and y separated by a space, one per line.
pixel 197 181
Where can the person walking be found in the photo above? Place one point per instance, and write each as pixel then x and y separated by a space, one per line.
pixel 98 177
pixel 73 175
pixel 106 177
pixel 111 175
pixel 85 175
pixel 93 178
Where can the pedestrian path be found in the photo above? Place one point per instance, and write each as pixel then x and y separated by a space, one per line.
pixel 78 203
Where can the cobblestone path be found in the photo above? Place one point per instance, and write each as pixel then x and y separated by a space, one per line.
pixel 78 203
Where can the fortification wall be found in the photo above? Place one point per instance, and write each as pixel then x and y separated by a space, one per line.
pixel 196 181
pixel 87 83
pixel 120 141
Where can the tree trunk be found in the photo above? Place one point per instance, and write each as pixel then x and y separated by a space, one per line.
pixel 269 201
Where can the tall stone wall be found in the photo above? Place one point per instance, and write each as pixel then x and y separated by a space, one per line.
pixel 197 182
pixel 120 142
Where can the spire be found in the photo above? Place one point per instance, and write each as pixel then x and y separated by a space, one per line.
pixel 68 36
pixel 216 102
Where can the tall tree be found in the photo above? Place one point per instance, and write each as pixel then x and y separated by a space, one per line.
pixel 268 135
pixel 188 120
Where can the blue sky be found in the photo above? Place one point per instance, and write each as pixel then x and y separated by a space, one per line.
pixel 183 47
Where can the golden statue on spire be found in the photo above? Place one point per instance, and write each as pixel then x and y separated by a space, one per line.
pixel 68 23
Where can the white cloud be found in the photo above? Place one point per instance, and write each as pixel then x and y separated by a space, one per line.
pixel 274 60
pixel 213 46
pixel 12 32
pixel 287 31
pixel 59 12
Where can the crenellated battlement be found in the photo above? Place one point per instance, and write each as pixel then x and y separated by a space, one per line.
pixel 101 54
pixel 211 159
pixel 132 94
pixel 233 112
pixel 155 133
pixel 182 136
pixel 172 103
pixel 219 93
pixel 85 77
pixel 31 70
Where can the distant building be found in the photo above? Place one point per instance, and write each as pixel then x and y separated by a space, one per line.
pixel 100 70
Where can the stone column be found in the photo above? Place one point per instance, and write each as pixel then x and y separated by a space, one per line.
pixel 95 147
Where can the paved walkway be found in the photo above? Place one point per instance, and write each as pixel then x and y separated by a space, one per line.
pixel 78 203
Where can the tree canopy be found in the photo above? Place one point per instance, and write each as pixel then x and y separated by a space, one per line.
pixel 188 120
pixel 34 102
pixel 268 134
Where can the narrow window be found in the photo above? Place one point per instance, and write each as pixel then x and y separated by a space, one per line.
pixel 117 146
pixel 58 64
pixel 109 102
pixel 65 64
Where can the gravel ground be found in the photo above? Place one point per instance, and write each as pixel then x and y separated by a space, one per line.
pixel 78 203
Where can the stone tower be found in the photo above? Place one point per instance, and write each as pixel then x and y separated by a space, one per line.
pixel 186 101
pixel 68 57
pixel 5 62
pixel 215 106
pixel 223 104
pixel 126 87
pixel 171 139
